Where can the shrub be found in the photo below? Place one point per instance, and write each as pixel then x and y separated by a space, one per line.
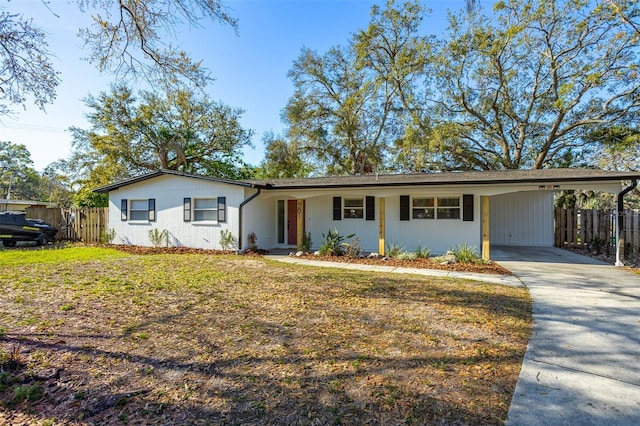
pixel 333 243
pixel 405 255
pixel 422 252
pixel 227 240
pixel 466 254
pixel 392 249
pixel 353 249
pixel 306 243
pixel 252 239
pixel 107 237
pixel 158 238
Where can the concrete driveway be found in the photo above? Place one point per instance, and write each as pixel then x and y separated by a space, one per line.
pixel 582 365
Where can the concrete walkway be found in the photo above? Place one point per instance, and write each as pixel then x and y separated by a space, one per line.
pixel 582 365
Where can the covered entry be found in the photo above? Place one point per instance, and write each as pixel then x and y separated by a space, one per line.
pixel 290 222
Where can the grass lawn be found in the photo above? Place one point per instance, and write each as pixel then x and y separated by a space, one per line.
pixel 98 336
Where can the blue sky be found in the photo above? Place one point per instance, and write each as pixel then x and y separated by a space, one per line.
pixel 250 69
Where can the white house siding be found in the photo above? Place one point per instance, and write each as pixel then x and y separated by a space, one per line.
pixel 169 193
pixel 522 218
pixel 437 234
pixel 259 217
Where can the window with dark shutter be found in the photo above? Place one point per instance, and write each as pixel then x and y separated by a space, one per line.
pixel 337 208
pixel 404 207
pixel 123 209
pixel 187 209
pixel 370 208
pixel 467 207
pixel 152 209
pixel 222 209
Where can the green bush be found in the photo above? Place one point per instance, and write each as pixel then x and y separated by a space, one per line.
pixel 466 254
pixel 333 243
pixel 227 240
pixel 405 255
pixel 306 243
pixel 392 249
pixel 159 238
pixel 422 252
pixel 353 248
pixel 107 237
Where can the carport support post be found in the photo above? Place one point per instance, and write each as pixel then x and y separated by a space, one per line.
pixel 300 223
pixel 485 228
pixel 381 228
pixel 620 239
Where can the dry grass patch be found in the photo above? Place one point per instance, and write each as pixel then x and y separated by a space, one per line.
pixel 201 339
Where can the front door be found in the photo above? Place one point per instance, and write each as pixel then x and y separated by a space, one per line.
pixel 292 222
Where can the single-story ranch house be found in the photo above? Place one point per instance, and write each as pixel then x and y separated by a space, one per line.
pixel 434 210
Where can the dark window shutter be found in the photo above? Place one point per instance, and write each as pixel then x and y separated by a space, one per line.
pixel 404 207
pixel 371 208
pixel 123 209
pixel 187 209
pixel 467 207
pixel 337 208
pixel 222 209
pixel 152 209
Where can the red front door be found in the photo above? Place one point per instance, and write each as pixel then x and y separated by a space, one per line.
pixel 292 222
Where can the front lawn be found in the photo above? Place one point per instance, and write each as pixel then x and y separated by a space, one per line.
pixel 106 337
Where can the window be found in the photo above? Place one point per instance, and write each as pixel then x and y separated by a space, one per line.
pixel 353 208
pixel 141 210
pixel 423 208
pixel 448 208
pixel 435 207
pixel 205 209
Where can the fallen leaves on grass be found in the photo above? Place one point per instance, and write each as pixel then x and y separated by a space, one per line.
pixel 200 338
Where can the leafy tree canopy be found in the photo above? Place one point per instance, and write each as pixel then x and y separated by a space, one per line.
pixel 180 130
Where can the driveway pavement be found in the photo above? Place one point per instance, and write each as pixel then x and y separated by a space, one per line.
pixel 582 365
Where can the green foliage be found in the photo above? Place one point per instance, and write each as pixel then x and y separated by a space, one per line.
pixel 26 393
pixel 333 244
pixel 282 159
pixel 176 130
pixel 393 249
pixel 107 237
pixel 159 238
pixel 227 240
pixel 306 243
pixel 466 253
pixel 406 255
pixel 422 252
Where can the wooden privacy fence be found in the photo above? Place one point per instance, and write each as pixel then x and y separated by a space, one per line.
pixel 584 228
pixel 82 224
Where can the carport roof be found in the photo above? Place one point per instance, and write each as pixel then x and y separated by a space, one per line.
pixel 543 176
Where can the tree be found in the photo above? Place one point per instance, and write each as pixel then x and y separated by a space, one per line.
pixel 283 159
pixel 521 90
pixel 17 172
pixel 395 53
pixel 25 68
pixel 339 115
pixel 126 38
pixel 181 130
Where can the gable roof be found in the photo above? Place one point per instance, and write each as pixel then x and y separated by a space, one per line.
pixel 541 176
pixel 163 172
pixel 448 178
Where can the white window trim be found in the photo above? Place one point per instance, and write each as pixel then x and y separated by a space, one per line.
pixel 362 208
pixel 194 220
pixel 130 203
pixel 436 206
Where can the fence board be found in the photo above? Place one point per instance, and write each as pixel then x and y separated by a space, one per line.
pixel 581 227
pixel 74 224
